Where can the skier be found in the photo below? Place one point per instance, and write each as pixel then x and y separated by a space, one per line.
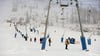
pixel 62 38
pixel 41 40
pixel 15 35
pixel 55 31
pixel 48 36
pixel 31 30
pixel 25 37
pixel 30 39
pixel 10 24
pixel 34 39
pixel 22 35
pixel 34 29
pixel 49 40
pixel 66 43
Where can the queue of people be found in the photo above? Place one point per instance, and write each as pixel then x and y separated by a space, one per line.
pixel 34 39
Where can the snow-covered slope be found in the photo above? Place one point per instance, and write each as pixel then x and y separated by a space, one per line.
pixel 10 46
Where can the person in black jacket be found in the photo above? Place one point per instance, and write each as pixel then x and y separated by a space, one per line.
pixel 49 40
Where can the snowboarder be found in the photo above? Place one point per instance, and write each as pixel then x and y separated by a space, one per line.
pixel 49 40
pixel 66 43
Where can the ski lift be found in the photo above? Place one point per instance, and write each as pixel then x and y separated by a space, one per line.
pixel 76 3
pixel 64 3
pixel 14 9
pixel 76 0
pixel 71 3
pixel 62 18
pixel 89 10
pixel 57 2
pixel 62 11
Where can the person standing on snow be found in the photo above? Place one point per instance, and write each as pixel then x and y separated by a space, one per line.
pixel 34 39
pixel 41 40
pixel 49 40
pixel 66 43
pixel 62 38
pixel 15 35
pixel 30 39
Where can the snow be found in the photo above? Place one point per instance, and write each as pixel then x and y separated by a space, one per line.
pixel 10 46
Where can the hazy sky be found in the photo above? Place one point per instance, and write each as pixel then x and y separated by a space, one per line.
pixel 5 6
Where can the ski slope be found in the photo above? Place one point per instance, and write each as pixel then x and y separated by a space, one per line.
pixel 10 46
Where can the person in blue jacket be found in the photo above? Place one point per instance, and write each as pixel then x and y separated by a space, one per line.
pixel 62 38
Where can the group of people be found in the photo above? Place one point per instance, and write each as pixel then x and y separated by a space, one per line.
pixel 68 41
pixel 18 31
pixel 25 36
pixel 49 41
pixel 32 39
pixel 34 30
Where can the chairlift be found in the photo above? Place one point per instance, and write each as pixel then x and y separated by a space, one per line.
pixel 62 11
pixel 64 3
pixel 76 0
pixel 14 9
pixel 57 2
pixel 62 18
pixel 71 3
pixel 89 10
pixel 76 4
